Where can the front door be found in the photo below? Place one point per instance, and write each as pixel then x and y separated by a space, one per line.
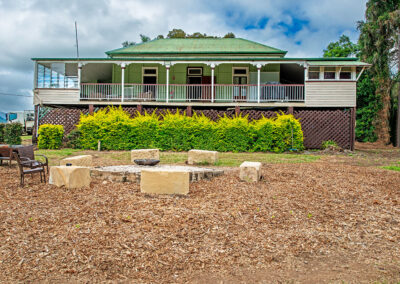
pixel 194 79
pixel 240 77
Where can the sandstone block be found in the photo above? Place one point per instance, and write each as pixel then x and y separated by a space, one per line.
pixel 202 156
pixel 164 181
pixel 250 171
pixel 70 176
pixel 79 161
pixel 145 154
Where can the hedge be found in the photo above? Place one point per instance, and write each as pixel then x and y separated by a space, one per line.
pixel 2 125
pixel 50 136
pixel 12 133
pixel 118 131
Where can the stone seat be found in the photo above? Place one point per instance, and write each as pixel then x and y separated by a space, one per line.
pixel 70 176
pixel 202 156
pixel 250 171
pixel 164 181
pixel 79 161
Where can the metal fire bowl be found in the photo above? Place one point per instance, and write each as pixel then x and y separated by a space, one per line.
pixel 146 162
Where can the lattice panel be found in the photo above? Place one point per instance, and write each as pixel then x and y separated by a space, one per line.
pixel 324 125
pixel 318 124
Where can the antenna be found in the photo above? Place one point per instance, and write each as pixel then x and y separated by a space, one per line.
pixel 76 37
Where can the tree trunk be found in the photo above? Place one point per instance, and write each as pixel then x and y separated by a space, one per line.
pixel 398 96
pixel 382 126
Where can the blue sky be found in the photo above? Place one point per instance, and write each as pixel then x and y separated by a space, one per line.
pixel 45 28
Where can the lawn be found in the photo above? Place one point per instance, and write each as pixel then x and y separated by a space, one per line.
pixel 225 159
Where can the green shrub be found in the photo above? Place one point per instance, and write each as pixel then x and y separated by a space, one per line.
pixel 12 133
pixel 287 134
pixel 73 139
pixel 329 144
pixel 50 136
pixel 234 134
pixel 2 125
pixel 117 131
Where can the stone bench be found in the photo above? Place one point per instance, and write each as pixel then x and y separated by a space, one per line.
pixel 79 161
pixel 70 176
pixel 164 181
pixel 145 154
pixel 202 157
pixel 250 171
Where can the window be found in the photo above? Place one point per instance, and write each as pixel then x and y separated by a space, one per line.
pixel 313 73
pixel 57 75
pixel 345 73
pixel 240 75
pixel 330 73
pixel 149 75
pixel 195 71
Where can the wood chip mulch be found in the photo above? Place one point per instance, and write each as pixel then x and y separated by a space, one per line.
pixel 317 222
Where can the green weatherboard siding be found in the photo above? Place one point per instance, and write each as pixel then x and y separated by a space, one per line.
pixel 177 74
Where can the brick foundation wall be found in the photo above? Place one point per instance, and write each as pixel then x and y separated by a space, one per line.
pixel 318 124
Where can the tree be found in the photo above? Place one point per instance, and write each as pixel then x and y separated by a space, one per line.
pixel 144 38
pixel 229 35
pixel 378 37
pixel 176 33
pixel 341 48
pixel 128 43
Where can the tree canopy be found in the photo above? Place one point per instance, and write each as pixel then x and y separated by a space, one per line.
pixel 176 33
pixel 342 48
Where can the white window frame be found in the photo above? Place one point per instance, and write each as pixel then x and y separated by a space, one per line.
pixel 338 70
pixel 241 75
pixel 149 68
pixel 194 75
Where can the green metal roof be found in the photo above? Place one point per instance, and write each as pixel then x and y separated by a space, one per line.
pixel 197 46
pixel 336 63
pixel 312 61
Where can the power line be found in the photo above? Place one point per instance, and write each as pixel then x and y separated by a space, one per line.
pixel 15 95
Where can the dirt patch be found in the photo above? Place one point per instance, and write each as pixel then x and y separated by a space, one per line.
pixel 317 222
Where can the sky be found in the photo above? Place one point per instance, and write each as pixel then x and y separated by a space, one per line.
pixel 45 28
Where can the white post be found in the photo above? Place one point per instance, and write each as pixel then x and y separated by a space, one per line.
pixel 123 82
pixel 212 82
pixel 79 75
pixel 258 82
pixel 35 76
pixel 167 89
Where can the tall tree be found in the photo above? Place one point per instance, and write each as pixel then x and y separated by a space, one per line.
pixel 176 33
pixel 378 37
pixel 144 38
pixel 344 47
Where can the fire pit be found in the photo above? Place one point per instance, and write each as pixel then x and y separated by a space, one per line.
pixel 146 162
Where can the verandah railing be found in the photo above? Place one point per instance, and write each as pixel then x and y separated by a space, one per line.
pixel 193 93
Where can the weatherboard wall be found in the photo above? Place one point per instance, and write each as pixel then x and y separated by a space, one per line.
pixel 177 74
pixel 330 93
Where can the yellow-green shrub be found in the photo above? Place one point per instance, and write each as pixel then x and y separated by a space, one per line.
pixel 50 136
pixel 117 131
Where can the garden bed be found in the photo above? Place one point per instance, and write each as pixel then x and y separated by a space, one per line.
pixel 317 222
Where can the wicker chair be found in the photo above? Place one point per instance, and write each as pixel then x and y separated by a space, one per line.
pixel 22 172
pixel 27 157
pixel 5 155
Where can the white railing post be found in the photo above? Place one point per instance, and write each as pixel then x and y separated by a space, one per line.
pixel 123 81
pixel 79 78
pixel 212 82
pixel 258 82
pixel 167 83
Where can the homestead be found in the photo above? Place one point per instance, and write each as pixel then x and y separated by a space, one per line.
pixel 209 75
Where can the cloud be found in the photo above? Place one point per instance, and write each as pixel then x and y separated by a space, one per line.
pixel 45 28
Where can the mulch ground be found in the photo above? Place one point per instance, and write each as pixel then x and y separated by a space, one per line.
pixel 314 223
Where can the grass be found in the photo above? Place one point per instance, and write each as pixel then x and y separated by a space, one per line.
pixel 27 137
pixel 392 168
pixel 225 159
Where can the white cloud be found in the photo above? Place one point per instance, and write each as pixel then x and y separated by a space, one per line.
pixel 45 28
